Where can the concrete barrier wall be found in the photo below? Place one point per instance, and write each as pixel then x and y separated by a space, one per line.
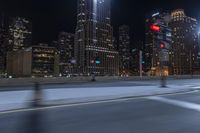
pixel 31 81
pixel 62 80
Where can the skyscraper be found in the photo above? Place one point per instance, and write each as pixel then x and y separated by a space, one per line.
pixel 115 43
pixel 94 39
pixel 65 48
pixel 136 56
pixel 20 33
pixel 185 43
pixel 124 50
pixel 3 42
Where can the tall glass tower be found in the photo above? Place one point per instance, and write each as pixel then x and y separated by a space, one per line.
pixel 94 39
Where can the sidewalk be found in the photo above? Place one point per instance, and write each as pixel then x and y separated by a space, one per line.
pixel 21 99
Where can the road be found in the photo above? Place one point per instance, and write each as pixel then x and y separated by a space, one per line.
pixel 117 83
pixel 178 113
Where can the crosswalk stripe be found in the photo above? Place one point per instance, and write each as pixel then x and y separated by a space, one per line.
pixel 196 87
pixel 183 104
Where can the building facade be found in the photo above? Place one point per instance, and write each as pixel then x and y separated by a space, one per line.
pixel 115 43
pixel 3 43
pixel 94 39
pixel 20 33
pixel 134 62
pixel 124 50
pixel 65 47
pixel 37 61
pixel 185 46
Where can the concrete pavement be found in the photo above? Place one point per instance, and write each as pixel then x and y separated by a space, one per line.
pixel 143 115
pixel 72 94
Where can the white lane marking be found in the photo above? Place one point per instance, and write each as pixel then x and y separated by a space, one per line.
pixel 67 105
pixel 183 104
pixel 196 87
pixel 91 103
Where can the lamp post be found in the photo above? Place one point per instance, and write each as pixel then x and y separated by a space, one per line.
pixel 140 63
pixel 199 47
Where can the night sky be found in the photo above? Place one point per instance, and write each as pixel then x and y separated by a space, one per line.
pixel 51 16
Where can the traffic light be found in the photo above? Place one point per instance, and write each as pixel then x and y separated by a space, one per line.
pixel 162 46
pixel 155 28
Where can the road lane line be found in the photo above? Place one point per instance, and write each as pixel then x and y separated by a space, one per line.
pixel 183 104
pixel 196 87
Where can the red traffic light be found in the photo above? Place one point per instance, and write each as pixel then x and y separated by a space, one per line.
pixel 162 45
pixel 155 28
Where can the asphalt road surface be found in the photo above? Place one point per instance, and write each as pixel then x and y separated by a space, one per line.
pixel 117 83
pixel 167 114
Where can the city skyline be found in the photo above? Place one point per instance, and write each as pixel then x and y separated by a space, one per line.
pixel 61 16
pixel 99 66
pixel 93 45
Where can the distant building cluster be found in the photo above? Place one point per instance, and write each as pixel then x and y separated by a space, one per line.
pixel 35 61
pixel 184 46
pixel 124 50
pixel 93 49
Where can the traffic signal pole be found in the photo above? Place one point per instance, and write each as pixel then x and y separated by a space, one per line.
pixel 140 60
pixel 163 37
pixel 163 76
pixel 93 72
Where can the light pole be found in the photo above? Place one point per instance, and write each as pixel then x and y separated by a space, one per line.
pixel 140 63
pixel 199 40
pixel 199 47
pixel 94 19
pixel 163 34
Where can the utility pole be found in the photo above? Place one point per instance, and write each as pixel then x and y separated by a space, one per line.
pixel 191 62
pixel 140 63
pixel 94 70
